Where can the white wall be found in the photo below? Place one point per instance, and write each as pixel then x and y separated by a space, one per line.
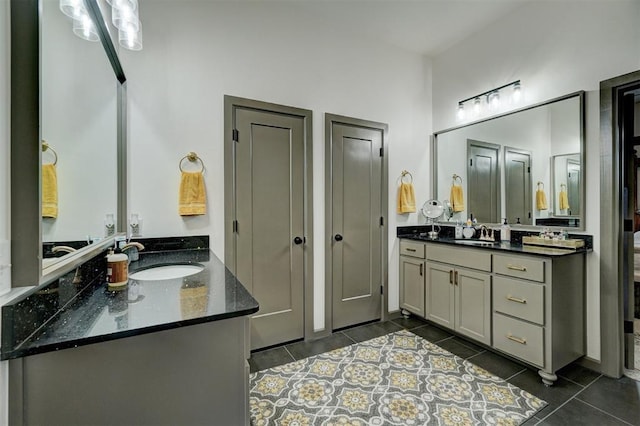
pixel 5 218
pixel 555 48
pixel 197 51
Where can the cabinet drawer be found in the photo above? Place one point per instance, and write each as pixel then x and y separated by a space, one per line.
pixel 468 258
pixel 519 338
pixel 519 299
pixel 409 248
pixel 519 267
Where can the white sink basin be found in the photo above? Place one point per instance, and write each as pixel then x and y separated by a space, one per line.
pixel 166 272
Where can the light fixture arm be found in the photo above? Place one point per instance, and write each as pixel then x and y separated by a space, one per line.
pixel 488 92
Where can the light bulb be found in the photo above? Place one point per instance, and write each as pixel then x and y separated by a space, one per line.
pixel 461 111
pixel 517 92
pixel 495 99
pixel 476 106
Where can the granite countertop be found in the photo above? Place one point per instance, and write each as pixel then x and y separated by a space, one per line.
pixel 502 246
pixel 446 236
pixel 96 314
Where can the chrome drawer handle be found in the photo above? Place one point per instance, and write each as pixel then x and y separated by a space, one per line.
pixel 410 249
pixel 517 267
pixel 515 299
pixel 517 339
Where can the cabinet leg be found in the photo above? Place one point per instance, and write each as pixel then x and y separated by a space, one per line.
pixel 547 378
pixel 405 313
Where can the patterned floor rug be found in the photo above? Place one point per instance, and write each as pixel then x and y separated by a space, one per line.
pixel 396 379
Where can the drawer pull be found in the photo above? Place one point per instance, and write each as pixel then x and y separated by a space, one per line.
pixel 451 277
pixel 517 339
pixel 515 299
pixel 455 279
pixel 421 265
pixel 409 249
pixel 517 267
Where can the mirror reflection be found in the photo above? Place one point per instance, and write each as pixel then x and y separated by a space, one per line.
pixel 522 166
pixel 79 129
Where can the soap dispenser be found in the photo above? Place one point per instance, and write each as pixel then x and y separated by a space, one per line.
pixel 117 270
pixel 505 231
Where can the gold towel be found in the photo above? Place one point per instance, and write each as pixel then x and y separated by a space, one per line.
pixel 406 198
pixel 456 198
pixel 49 191
pixel 564 200
pixel 193 199
pixel 541 199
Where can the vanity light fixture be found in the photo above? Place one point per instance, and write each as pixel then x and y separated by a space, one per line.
pixel 124 16
pixel 491 99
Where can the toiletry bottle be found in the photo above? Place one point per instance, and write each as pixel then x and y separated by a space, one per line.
pixel 458 233
pixel 117 270
pixel 505 231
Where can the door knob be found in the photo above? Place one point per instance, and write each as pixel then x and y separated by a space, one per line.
pixel 338 237
pixel 297 240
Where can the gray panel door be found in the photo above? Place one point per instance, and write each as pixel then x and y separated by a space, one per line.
pixel 518 182
pixel 483 181
pixel 573 187
pixel 269 157
pixel 356 188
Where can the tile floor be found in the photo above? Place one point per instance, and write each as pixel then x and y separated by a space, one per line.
pixel 579 397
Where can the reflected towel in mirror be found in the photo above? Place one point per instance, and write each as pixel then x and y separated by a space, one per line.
pixel 456 198
pixel 193 199
pixel 49 191
pixel 406 198
pixel 563 200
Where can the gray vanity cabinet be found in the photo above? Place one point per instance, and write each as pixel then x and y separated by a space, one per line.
pixel 412 274
pixel 458 297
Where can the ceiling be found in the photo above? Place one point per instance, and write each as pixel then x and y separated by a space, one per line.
pixel 423 26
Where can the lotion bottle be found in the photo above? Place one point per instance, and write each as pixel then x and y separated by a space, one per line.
pixel 505 231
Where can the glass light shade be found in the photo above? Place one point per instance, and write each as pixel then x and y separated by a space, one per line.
pixel 461 111
pixel 73 8
pixel 123 4
pixel 476 106
pixel 131 39
pixel 517 92
pixel 83 27
pixel 125 18
pixel 494 99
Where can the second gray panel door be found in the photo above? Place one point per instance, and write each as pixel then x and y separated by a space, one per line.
pixel 356 187
pixel 483 176
pixel 518 182
pixel 269 158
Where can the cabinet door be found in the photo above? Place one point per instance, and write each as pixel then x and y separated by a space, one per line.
pixel 412 285
pixel 439 301
pixel 473 304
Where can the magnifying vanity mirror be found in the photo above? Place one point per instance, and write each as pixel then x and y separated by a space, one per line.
pixel 525 165
pixel 78 121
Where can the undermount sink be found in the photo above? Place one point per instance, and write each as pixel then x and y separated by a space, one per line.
pixel 166 272
pixel 477 243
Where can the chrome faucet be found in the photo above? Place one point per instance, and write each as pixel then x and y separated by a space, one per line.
pixel 133 249
pixel 65 249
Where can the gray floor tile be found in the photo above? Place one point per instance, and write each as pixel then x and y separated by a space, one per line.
pixel 581 375
pixel 269 358
pixel 496 364
pixel 370 331
pixel 556 395
pixel 620 397
pixel 301 350
pixel 409 323
pixel 457 347
pixel 431 333
pixel 531 422
pixel 576 412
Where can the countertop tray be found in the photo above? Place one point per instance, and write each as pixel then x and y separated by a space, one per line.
pixel 570 244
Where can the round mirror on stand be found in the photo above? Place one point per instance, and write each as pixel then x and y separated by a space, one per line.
pixel 432 209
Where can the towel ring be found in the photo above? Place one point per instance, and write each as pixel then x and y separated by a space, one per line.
pixel 563 185
pixel 45 146
pixel 541 183
pixel 193 157
pixel 404 173
pixel 458 178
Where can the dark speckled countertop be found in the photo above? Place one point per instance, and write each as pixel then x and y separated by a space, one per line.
pixel 96 314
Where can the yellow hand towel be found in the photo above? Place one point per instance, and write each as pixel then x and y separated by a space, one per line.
pixel 406 198
pixel 541 199
pixel 456 198
pixel 49 191
pixel 563 200
pixel 193 199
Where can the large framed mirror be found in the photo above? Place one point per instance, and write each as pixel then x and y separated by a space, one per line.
pixel 525 166
pixel 68 131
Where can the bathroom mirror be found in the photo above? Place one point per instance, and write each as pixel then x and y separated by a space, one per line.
pixel 504 161
pixel 78 121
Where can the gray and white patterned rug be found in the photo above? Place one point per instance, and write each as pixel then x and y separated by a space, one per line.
pixel 396 379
